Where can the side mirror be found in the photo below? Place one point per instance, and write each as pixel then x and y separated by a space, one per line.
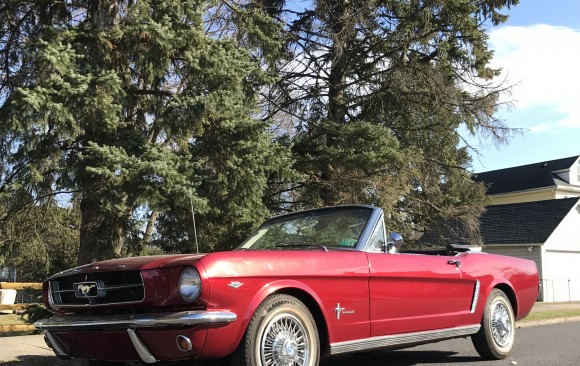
pixel 394 242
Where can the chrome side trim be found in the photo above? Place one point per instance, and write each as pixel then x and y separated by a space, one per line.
pixel 141 349
pixel 398 340
pixel 475 296
pixel 57 347
pixel 181 319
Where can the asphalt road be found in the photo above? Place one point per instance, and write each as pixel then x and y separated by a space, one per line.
pixel 553 344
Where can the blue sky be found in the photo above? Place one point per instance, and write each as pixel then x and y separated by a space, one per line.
pixel 538 49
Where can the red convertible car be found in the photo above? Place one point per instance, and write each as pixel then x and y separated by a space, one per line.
pixel 303 285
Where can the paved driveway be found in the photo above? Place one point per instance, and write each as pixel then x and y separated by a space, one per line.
pixel 31 350
pixel 27 350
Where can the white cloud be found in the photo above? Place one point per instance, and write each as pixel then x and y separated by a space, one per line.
pixel 544 63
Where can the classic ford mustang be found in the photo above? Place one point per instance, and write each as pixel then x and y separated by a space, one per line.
pixel 303 285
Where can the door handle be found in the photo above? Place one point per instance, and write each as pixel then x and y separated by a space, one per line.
pixel 454 261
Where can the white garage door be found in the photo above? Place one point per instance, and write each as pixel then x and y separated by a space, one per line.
pixel 561 277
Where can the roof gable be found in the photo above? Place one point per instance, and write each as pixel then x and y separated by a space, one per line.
pixel 515 223
pixel 529 222
pixel 525 177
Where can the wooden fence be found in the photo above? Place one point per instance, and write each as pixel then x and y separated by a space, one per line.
pixel 18 286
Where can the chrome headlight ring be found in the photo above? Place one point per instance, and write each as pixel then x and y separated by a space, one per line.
pixel 189 284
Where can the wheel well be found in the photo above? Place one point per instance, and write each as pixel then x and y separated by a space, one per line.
pixel 510 294
pixel 316 312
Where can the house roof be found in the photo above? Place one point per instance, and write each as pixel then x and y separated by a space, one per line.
pixel 515 223
pixel 526 177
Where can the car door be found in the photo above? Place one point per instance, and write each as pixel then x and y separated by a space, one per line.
pixel 416 292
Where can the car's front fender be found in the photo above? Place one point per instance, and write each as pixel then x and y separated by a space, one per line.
pixel 222 341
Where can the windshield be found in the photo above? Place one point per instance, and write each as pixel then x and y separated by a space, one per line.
pixel 337 227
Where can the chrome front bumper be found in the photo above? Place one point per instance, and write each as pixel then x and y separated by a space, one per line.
pixel 156 320
pixel 130 323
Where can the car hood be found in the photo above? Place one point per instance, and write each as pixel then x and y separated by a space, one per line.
pixel 133 264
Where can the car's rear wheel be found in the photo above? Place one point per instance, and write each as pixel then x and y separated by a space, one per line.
pixel 495 339
pixel 282 332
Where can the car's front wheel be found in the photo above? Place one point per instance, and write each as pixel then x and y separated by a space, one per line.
pixel 282 332
pixel 495 339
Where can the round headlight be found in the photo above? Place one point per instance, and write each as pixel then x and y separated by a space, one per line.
pixel 189 284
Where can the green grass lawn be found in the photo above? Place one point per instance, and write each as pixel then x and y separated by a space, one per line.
pixel 555 314
pixel 10 319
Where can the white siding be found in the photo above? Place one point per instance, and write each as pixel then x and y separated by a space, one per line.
pixel 559 270
pixel 567 235
pixel 575 173
pixel 561 277
pixel 566 194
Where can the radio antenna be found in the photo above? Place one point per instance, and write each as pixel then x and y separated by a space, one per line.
pixel 194 228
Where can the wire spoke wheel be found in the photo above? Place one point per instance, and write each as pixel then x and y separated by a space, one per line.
pixel 496 337
pixel 501 325
pixel 285 342
pixel 282 332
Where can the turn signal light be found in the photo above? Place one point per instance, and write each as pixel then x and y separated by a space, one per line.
pixel 183 343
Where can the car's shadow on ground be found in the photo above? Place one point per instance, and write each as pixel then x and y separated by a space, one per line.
pixel 400 358
pixel 378 358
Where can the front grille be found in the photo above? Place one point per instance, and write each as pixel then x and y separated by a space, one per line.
pixel 97 289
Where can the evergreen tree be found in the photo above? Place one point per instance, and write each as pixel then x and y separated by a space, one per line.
pixel 40 241
pixel 373 97
pixel 131 107
pixel 143 112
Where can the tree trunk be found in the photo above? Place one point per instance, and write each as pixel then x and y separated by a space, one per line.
pixel 337 98
pixel 150 227
pixel 101 234
pixel 337 104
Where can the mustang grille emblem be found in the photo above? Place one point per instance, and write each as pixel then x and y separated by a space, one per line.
pixel 88 289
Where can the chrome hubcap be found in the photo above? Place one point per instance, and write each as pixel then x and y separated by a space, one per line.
pixel 285 342
pixel 501 325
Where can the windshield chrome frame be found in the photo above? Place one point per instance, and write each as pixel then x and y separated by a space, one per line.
pixel 376 221
pixel 366 234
